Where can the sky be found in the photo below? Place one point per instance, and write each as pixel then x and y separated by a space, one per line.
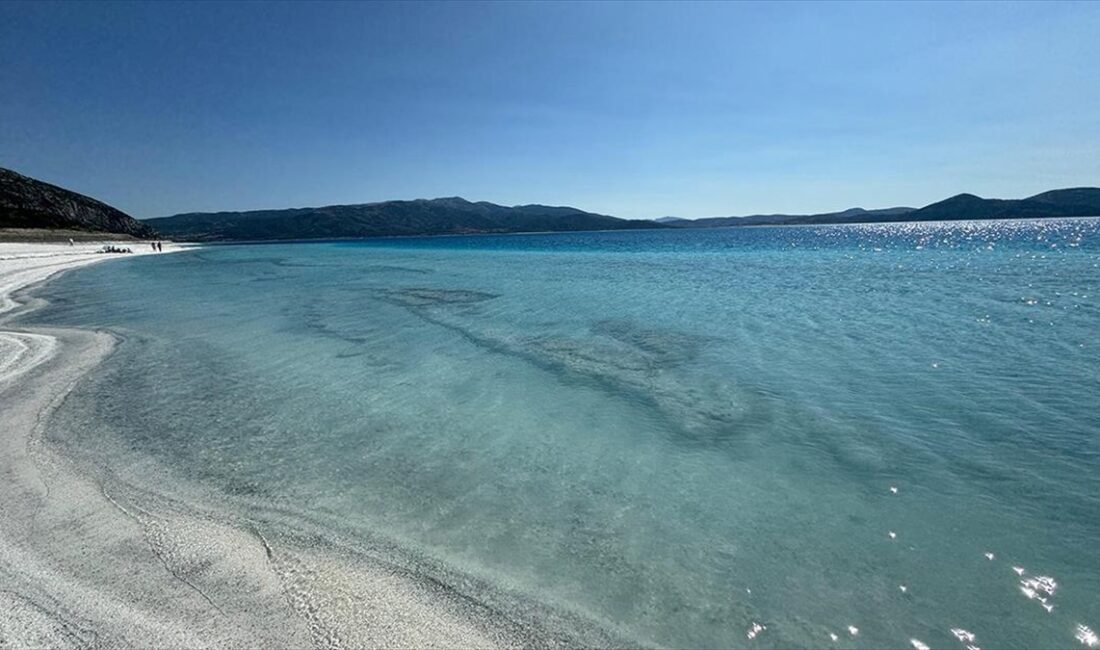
pixel 638 110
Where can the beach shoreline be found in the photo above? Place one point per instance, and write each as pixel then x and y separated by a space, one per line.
pixel 62 533
pixel 87 559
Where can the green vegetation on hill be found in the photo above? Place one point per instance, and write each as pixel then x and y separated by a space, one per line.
pixel 448 216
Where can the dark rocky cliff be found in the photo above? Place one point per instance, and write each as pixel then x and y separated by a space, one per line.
pixel 29 203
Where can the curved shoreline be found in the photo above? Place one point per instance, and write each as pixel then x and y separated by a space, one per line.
pixel 60 539
pixel 86 559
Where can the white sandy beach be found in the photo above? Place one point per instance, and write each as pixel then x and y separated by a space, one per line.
pixel 25 264
pixel 87 560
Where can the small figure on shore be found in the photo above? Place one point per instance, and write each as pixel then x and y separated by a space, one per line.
pixel 154 245
pixel 71 242
pixel 160 247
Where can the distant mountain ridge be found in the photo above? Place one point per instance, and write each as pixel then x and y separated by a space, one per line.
pixel 445 216
pixel 33 204
pixel 455 215
pixel 26 203
pixel 851 215
pixel 1070 202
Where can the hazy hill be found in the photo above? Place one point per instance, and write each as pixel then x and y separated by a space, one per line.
pixel 29 203
pixel 1072 202
pixel 1088 197
pixel 851 215
pixel 448 216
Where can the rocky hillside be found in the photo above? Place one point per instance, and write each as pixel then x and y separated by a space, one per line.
pixel 29 203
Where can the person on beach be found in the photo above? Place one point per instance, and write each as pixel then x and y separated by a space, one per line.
pixel 160 247
pixel 154 245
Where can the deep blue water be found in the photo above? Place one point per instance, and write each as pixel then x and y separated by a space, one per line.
pixel 676 433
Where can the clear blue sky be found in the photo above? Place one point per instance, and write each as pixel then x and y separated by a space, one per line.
pixel 636 110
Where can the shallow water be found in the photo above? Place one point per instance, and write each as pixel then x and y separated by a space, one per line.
pixel 677 434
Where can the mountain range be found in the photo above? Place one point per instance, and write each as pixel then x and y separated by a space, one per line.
pixel 1072 202
pixel 26 203
pixel 851 215
pixel 446 216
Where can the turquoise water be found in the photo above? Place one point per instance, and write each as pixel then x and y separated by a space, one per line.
pixel 675 434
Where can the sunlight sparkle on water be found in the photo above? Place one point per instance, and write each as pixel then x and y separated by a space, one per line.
pixel 1041 589
pixel 756 629
pixel 1086 636
pixel 966 637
